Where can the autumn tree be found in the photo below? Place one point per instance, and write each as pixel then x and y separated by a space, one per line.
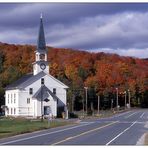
pixel 100 72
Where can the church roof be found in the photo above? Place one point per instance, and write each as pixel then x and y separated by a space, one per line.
pixel 25 81
pixel 43 90
pixel 41 44
pixel 19 82
pixel 29 79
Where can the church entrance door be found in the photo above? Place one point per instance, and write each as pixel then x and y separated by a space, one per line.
pixel 47 110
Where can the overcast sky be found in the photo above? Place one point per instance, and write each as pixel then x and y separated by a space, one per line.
pixel 113 28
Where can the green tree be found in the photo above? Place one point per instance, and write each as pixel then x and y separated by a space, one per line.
pixel 2 57
pixel 10 75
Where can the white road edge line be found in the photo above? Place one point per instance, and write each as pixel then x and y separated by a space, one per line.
pixel 23 139
pixel 142 115
pixel 121 133
pixel 120 114
pixel 120 122
pixel 131 115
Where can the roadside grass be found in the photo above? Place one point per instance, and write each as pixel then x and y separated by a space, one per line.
pixel 102 113
pixel 15 126
pixel 146 139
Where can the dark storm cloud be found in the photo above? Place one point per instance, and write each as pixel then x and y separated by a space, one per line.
pixel 21 15
pixel 100 26
pixel 5 7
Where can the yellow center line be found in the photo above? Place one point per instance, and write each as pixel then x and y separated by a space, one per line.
pixel 69 138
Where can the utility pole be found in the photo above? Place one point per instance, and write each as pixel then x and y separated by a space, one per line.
pixel 125 99
pixel 86 88
pixel 98 104
pixel 92 108
pixel 111 104
pixel 83 106
pixel 72 103
pixel 41 103
pixel 129 98
pixel 117 99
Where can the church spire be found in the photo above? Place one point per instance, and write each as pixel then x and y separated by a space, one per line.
pixel 41 45
pixel 41 63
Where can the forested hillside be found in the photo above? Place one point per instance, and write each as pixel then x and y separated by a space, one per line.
pixel 102 73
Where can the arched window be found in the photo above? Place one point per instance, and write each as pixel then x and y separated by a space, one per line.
pixel 42 56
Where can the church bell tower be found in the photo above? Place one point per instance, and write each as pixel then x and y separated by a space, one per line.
pixel 41 63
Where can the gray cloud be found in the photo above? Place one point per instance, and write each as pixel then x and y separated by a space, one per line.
pixel 120 27
pixel 112 32
pixel 141 53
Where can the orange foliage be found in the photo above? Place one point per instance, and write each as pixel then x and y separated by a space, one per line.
pixel 81 68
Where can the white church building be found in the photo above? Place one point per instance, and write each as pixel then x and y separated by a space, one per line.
pixel 37 94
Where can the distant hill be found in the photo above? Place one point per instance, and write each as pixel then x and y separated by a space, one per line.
pixel 77 68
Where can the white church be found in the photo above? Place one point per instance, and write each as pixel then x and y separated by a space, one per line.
pixel 38 94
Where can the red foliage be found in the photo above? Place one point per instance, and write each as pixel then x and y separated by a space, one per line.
pixel 97 70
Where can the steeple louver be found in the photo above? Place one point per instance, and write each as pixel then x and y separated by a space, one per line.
pixel 41 45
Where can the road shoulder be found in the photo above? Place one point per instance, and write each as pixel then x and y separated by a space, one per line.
pixel 144 138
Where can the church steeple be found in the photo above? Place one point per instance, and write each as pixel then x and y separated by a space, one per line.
pixel 41 44
pixel 41 63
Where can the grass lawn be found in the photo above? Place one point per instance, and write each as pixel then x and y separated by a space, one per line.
pixel 14 126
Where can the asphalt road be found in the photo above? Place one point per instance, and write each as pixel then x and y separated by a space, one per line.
pixel 121 129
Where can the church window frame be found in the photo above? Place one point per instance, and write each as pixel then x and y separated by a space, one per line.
pixel 11 111
pixel 28 100
pixel 8 111
pixel 30 91
pixel 54 91
pixel 14 111
pixel 42 81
